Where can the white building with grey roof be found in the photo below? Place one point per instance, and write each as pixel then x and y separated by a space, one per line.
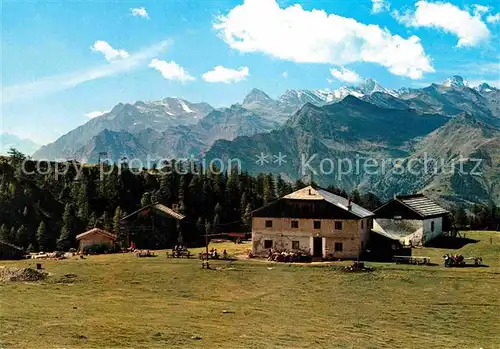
pixel 412 219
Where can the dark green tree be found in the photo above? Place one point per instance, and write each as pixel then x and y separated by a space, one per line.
pixel 4 234
pixel 67 236
pixel 118 230
pixel 41 237
pixel 22 237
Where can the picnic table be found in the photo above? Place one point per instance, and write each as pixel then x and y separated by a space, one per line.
pixel 179 254
pixel 411 260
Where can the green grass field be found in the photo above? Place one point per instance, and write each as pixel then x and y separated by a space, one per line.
pixel 121 301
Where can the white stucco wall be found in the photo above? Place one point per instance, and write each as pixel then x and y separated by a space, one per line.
pixel 429 234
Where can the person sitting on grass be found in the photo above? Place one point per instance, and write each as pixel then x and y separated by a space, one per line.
pixel 224 254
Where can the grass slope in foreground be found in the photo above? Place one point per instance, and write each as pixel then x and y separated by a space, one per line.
pixel 120 301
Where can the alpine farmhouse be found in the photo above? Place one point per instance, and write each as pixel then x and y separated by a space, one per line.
pixel 314 221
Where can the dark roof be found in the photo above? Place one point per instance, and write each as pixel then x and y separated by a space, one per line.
pixel 159 207
pixel 418 203
pixel 422 205
pixel 5 243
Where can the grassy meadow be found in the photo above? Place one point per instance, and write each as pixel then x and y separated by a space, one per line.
pixel 121 301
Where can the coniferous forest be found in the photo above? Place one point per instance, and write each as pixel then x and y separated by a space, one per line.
pixel 43 206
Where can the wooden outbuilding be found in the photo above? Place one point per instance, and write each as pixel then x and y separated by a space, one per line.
pixel 95 236
pixel 412 219
pixel 10 251
pixel 313 221
pixel 155 226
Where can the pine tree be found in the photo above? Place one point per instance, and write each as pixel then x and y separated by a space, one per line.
pixel 461 218
pixel 355 197
pixel 4 234
pixel 67 237
pixel 121 237
pixel 41 237
pixel 13 236
pixel 247 218
pixel 216 222
pixel 92 222
pixel 22 236
pixel 105 222
pixel 269 189
pixel 243 204
pixel 200 225
pixel 299 184
pixel 208 228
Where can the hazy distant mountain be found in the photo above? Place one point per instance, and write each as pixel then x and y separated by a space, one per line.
pixel 25 146
pixel 130 118
pixel 178 141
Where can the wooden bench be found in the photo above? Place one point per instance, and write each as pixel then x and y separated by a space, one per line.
pixel 411 260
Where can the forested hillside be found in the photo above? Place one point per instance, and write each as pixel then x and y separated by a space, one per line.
pixel 43 206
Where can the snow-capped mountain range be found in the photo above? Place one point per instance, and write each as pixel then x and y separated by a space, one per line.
pixel 198 125
pixel 325 96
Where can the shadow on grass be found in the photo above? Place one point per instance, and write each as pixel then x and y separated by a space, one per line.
pixel 449 242
pixel 470 266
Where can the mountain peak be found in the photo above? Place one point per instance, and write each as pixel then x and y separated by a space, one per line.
pixel 484 87
pixel 456 81
pixel 257 96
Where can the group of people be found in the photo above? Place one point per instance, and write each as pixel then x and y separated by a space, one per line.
pixel 215 255
pixel 455 260
pixel 286 256
pixel 179 250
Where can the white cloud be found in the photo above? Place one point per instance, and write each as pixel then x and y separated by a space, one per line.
pixel 470 29
pixel 225 75
pixel 171 70
pixel 95 114
pixel 139 12
pixel 493 18
pixel 379 6
pixel 285 74
pixel 344 74
pixel 479 10
pixel 302 36
pixel 52 84
pixel 109 52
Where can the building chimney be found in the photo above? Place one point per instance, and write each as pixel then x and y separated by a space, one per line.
pixel 349 204
pixel 310 192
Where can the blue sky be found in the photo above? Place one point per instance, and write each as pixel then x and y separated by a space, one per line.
pixel 144 50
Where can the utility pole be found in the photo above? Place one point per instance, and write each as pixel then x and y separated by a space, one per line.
pixel 207 228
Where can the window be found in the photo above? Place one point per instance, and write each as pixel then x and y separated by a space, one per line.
pixel 317 224
pixel 338 247
pixel 295 224
pixel 269 224
pixel 295 245
pixel 362 224
pixel 338 225
pixel 268 243
pixel 432 226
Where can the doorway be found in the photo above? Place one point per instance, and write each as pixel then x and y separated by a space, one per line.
pixel 317 247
